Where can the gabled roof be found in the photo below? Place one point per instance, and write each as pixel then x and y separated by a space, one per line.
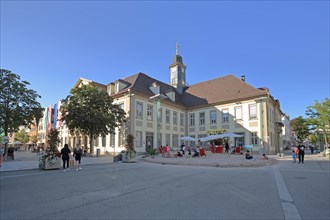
pixel 99 85
pixel 141 82
pixel 220 90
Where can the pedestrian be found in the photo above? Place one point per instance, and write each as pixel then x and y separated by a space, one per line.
pixel 65 152
pixel 311 148
pixel 301 155
pixel 183 148
pixel 294 156
pixel 226 147
pixel 77 152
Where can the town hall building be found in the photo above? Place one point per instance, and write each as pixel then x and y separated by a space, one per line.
pixel 160 113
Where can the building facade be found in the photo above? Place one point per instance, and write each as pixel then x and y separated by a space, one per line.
pixel 159 113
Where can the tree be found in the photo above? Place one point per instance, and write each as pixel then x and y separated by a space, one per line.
pixel 16 102
pixel 319 118
pixel 300 127
pixel 22 136
pixel 53 138
pixel 90 111
pixel 38 114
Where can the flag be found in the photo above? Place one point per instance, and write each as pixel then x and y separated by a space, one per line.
pixel 45 119
pixel 59 114
pixel 55 115
pixel 49 123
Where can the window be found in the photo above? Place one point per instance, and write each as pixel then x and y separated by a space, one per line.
pixel 167 115
pixel 112 139
pixel 149 112
pixel 253 111
pixel 254 138
pixel 138 139
pixel 238 113
pixel 175 118
pixel 213 117
pixel 121 138
pixel 175 140
pixel 103 141
pixel 122 106
pixel 192 119
pixel 202 118
pixel 96 142
pixel 168 139
pixel 139 110
pixel 225 115
pixel 181 119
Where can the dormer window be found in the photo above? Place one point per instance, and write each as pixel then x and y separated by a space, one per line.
pixel 155 88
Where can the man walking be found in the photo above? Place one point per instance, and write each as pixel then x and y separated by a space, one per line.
pixel 301 149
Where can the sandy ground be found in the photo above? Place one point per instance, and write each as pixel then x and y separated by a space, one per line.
pixel 226 160
pixel 214 160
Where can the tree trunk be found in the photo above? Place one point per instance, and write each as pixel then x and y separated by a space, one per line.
pixel 91 147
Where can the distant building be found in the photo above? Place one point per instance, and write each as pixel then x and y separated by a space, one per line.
pixel 160 113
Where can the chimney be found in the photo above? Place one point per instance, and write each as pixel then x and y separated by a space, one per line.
pixel 243 78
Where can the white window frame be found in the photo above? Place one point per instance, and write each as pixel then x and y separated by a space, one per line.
pixel 139 111
pixel 225 115
pixel 213 117
pixel 168 116
pixel 250 111
pixel 202 118
pixel 181 119
pixel 175 118
pixel 254 138
pixel 191 119
pixel 149 112
pixel 238 113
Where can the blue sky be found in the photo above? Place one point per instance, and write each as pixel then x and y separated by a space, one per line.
pixel 282 45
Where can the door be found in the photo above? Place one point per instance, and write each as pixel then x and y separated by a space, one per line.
pixel 149 141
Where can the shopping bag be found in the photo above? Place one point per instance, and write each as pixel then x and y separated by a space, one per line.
pixel 71 162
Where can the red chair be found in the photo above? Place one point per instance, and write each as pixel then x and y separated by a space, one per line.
pixel 167 151
pixel 238 150
pixel 202 152
pixel 212 149
pixel 161 151
pixel 219 149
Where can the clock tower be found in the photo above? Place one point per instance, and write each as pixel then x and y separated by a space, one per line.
pixel 178 72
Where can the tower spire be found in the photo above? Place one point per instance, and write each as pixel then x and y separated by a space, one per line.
pixel 177 48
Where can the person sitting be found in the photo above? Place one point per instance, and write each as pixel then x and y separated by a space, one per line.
pixel 264 157
pixel 178 154
pixel 248 155
pixel 196 152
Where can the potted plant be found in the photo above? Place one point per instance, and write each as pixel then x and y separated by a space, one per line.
pixel 51 158
pixel 129 154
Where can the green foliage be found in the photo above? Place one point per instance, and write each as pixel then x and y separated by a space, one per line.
pixel 90 110
pixel 130 152
pixel 319 117
pixel 22 136
pixel 152 152
pixel 17 102
pixel 34 139
pixel 217 141
pixel 312 138
pixel 53 138
pixel 300 128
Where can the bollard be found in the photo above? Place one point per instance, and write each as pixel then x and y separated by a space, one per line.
pixel 98 151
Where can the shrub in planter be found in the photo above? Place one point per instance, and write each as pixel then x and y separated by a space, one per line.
pixel 129 154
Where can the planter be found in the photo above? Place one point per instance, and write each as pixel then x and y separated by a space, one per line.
pixel 128 159
pixel 50 163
